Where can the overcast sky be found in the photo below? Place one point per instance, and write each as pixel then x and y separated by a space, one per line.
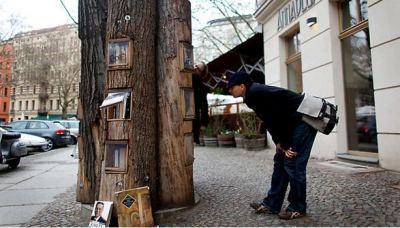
pixel 37 14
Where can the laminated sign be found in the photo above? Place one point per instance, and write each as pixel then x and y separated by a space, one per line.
pixel 134 207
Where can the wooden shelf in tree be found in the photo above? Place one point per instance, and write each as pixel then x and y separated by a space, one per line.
pixel 185 57
pixel 116 156
pixel 118 105
pixel 119 54
pixel 187 101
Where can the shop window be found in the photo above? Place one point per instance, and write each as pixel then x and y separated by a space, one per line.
pixel 116 156
pixel 118 105
pixel 358 77
pixel 293 62
pixel 353 12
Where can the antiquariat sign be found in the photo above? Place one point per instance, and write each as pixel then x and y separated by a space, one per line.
pixel 292 11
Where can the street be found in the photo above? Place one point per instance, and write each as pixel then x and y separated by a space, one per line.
pixel 32 186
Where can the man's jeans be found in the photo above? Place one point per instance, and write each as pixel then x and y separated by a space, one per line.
pixel 293 171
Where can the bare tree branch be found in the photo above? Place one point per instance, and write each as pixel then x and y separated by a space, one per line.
pixel 241 16
pixel 69 14
pixel 228 18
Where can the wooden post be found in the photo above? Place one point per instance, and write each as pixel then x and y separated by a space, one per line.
pixel 175 126
pixel 134 21
pixel 92 30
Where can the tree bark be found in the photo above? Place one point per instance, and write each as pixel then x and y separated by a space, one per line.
pixel 176 176
pixel 92 32
pixel 141 129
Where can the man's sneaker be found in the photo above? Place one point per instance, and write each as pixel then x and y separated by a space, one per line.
pixel 289 215
pixel 259 208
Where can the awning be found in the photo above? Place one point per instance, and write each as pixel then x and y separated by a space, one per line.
pixel 247 56
pixel 114 98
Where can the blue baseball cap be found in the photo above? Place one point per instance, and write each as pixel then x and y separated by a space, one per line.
pixel 239 78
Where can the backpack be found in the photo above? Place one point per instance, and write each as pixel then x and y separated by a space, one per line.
pixel 319 113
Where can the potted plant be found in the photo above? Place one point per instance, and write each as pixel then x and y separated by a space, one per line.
pixel 252 139
pixel 239 138
pixel 212 130
pixel 226 138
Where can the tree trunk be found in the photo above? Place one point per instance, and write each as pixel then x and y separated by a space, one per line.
pixel 92 31
pixel 135 20
pixel 175 172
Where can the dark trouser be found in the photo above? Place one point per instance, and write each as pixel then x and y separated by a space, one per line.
pixel 291 171
pixel 196 127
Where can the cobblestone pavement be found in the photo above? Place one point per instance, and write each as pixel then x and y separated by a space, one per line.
pixel 64 211
pixel 227 180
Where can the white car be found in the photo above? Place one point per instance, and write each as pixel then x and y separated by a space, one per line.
pixel 34 142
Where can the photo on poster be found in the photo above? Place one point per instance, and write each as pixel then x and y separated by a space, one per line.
pixel 101 214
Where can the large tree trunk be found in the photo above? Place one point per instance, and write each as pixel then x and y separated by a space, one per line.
pixel 141 129
pixel 175 165
pixel 92 31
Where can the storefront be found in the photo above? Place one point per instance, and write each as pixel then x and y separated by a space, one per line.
pixel 345 51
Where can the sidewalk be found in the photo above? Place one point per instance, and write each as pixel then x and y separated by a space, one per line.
pixel 227 180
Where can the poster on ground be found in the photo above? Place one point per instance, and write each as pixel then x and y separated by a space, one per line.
pixel 101 214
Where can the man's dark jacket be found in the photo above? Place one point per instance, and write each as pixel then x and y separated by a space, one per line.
pixel 100 220
pixel 277 108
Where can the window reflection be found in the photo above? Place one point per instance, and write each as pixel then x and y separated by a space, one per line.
pixel 354 12
pixel 360 105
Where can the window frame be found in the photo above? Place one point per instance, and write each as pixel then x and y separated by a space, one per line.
pixel 293 57
pixel 361 25
pixel 110 170
pixel 107 109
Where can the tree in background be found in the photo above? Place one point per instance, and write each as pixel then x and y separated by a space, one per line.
pixel 229 23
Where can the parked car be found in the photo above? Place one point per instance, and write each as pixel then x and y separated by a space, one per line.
pixel 54 133
pixel 34 142
pixel 72 126
pixel 12 149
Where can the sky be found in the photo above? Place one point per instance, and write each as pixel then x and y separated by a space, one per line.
pixel 38 14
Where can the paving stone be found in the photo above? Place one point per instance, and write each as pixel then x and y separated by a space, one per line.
pixel 227 180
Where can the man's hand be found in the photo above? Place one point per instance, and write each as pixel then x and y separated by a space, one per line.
pixel 289 153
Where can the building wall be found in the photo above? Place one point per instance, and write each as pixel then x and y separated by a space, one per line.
pixel 385 42
pixel 322 68
pixel 45 59
pixel 6 60
pixel 319 61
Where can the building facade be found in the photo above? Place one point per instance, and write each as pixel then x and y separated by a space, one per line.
pixel 46 73
pixel 6 61
pixel 346 51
